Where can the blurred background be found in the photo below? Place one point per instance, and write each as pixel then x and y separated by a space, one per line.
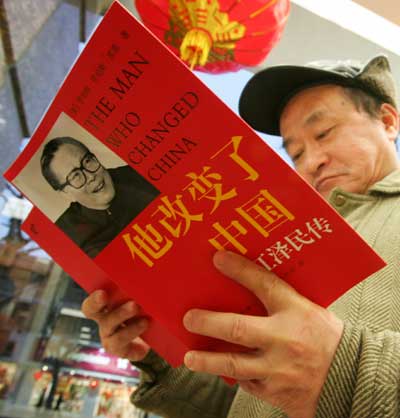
pixel 51 361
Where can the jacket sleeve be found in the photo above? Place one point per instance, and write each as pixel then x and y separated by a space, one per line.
pixel 364 378
pixel 180 393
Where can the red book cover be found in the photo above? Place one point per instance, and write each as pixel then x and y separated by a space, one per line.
pixel 148 173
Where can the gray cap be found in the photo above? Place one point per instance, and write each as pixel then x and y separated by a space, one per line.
pixel 267 92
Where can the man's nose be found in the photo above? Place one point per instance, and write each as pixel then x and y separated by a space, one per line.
pixel 89 176
pixel 316 159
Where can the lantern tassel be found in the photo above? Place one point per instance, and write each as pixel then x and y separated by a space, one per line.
pixel 195 47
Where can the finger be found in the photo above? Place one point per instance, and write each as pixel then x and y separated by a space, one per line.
pixel 255 387
pixel 121 342
pixel 267 286
pixel 136 350
pixel 111 321
pixel 249 331
pixel 94 304
pixel 240 366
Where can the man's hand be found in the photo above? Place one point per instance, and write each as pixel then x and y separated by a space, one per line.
pixel 119 328
pixel 290 351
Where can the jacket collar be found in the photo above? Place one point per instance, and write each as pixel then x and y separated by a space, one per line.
pixel 388 185
pixel 345 202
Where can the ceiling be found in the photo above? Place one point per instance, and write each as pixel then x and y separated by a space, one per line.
pixel 310 37
pixel 389 9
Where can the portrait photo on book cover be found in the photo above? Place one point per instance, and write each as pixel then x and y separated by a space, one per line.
pixel 89 192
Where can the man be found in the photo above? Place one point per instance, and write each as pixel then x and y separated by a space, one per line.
pixel 339 124
pixel 103 201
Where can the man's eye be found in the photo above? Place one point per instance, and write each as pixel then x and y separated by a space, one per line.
pixel 296 156
pixel 75 175
pixel 324 133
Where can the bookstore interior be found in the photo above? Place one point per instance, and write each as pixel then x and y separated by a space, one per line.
pixel 52 363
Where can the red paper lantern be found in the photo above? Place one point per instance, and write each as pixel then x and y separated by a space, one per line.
pixel 217 35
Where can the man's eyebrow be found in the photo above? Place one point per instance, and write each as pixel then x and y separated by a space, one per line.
pixel 314 117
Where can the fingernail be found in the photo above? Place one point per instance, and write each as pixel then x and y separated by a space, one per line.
pixel 187 320
pixel 128 306
pixel 188 359
pixel 99 297
pixel 220 257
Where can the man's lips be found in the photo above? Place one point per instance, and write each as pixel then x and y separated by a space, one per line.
pixel 98 187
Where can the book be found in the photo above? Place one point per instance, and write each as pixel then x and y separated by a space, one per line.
pixel 139 173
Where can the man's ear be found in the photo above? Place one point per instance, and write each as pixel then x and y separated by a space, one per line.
pixel 390 119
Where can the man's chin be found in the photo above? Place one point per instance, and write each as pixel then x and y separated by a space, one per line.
pixel 108 197
pixel 326 187
pixel 326 195
pixel 326 192
pixel 102 199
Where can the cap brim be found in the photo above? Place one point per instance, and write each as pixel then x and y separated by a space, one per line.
pixel 265 94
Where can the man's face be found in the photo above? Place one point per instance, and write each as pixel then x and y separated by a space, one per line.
pixel 333 144
pixel 97 192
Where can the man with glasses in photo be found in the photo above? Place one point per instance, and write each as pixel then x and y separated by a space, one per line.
pixel 103 201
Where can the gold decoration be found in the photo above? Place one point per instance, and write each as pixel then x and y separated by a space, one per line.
pixel 206 28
